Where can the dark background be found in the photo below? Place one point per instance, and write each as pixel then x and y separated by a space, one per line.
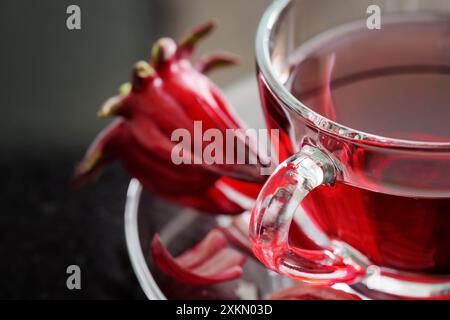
pixel 52 82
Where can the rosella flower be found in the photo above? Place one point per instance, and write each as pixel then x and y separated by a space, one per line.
pixel 167 94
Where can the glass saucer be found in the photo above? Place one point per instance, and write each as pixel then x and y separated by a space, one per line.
pixel 180 229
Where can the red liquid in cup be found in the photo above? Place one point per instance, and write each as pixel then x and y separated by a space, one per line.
pixel 393 82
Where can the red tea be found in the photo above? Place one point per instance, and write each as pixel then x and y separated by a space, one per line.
pixel 393 82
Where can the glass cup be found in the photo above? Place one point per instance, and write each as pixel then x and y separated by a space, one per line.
pixel 371 197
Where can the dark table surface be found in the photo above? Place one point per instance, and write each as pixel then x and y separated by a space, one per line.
pixel 45 226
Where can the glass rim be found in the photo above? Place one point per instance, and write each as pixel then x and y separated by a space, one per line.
pixel 135 252
pixel 270 17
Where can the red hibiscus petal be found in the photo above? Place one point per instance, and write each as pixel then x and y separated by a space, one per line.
pixel 223 261
pixel 213 242
pixel 237 233
pixel 249 189
pixel 310 292
pixel 101 151
pixel 209 262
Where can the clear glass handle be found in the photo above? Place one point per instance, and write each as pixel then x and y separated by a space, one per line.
pixel 278 202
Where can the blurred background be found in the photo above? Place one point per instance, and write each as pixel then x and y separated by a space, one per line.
pixel 53 81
